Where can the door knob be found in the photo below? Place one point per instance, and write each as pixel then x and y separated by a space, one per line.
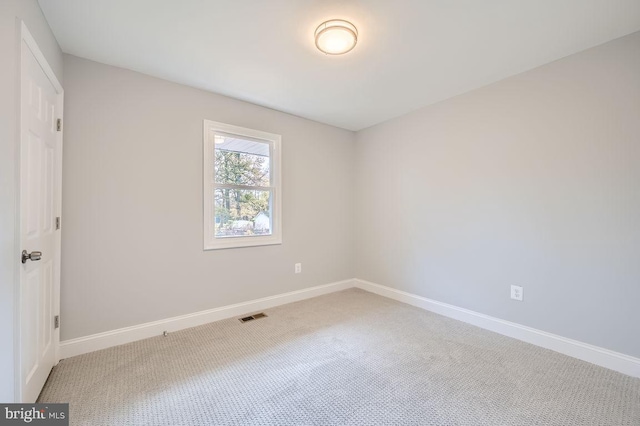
pixel 33 256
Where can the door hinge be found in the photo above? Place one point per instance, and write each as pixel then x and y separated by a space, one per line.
pixel 59 124
pixel 56 321
pixel 57 223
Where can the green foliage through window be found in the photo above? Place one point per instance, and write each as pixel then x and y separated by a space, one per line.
pixel 240 210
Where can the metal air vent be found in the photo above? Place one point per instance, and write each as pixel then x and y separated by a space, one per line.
pixel 253 317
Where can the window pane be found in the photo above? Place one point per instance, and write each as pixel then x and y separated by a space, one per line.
pixel 241 162
pixel 242 212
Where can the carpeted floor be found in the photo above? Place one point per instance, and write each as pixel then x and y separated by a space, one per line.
pixel 347 358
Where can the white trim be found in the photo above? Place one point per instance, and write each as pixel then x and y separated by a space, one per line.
pixel 596 355
pixel 275 159
pixel 58 232
pixel 94 342
pixel 37 53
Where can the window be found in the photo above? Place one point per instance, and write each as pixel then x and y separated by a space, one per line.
pixel 241 187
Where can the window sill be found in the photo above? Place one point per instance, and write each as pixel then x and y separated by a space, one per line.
pixel 239 242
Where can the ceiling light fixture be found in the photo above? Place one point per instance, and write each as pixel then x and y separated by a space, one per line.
pixel 336 37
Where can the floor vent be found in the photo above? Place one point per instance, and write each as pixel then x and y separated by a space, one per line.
pixel 253 317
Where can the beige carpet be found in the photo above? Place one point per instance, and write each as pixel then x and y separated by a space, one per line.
pixel 348 358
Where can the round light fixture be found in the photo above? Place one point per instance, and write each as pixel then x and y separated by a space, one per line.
pixel 336 37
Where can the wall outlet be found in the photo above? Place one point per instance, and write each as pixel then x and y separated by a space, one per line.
pixel 298 268
pixel 516 292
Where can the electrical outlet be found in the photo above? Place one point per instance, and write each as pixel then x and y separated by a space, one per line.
pixel 517 293
pixel 298 268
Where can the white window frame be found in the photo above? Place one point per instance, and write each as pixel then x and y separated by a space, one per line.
pixel 209 186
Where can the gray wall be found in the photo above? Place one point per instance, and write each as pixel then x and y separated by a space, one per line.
pixel 11 12
pixel 530 181
pixel 533 181
pixel 132 206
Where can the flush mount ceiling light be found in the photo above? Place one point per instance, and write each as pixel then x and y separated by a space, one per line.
pixel 336 37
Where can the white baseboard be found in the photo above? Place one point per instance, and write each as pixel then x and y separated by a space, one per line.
pixel 95 342
pixel 603 357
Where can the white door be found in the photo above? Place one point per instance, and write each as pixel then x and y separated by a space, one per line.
pixel 40 148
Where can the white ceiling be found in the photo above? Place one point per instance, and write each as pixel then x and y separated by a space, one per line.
pixel 410 53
